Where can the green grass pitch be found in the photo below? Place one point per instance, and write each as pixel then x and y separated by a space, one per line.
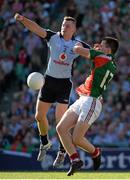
pixel 62 175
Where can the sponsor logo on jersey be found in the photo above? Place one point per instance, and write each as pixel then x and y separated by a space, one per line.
pixel 60 62
pixel 63 56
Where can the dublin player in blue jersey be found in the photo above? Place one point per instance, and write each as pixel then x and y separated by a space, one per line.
pixel 58 83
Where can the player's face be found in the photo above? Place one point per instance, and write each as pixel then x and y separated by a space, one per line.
pixel 104 47
pixel 68 27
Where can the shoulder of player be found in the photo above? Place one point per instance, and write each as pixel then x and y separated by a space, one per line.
pixel 50 31
pixel 100 57
pixel 50 34
pixel 104 56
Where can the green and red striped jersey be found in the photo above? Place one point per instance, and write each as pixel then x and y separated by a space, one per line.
pixel 102 71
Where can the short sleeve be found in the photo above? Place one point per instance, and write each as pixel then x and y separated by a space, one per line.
pixel 49 34
pixel 85 45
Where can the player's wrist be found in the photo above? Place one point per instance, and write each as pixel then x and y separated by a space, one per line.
pixel 21 18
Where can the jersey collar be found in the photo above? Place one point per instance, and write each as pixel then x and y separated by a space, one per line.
pixel 73 38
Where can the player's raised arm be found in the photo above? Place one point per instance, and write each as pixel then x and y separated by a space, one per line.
pixel 31 25
pixel 79 49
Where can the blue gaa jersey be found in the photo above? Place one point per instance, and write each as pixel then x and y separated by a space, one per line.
pixel 61 55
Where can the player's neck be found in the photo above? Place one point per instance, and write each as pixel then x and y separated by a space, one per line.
pixel 67 37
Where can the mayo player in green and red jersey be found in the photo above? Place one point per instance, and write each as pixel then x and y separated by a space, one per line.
pixel 83 113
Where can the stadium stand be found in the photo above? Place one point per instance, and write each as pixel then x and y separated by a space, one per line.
pixel 21 53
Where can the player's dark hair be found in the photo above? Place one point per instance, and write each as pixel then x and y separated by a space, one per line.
pixel 69 18
pixel 113 43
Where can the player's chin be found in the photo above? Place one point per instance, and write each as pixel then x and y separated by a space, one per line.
pixel 63 31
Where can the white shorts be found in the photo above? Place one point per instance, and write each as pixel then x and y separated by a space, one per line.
pixel 87 108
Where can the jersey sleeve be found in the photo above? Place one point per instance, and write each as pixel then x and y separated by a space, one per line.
pixel 85 45
pixel 94 53
pixel 49 34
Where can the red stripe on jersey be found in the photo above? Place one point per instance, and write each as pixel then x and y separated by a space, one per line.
pixel 101 60
pixel 86 88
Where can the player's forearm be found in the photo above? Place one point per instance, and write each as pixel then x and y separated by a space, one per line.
pixel 34 27
pixel 81 51
pixel 31 25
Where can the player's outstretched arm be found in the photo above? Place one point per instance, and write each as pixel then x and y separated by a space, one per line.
pixel 31 25
pixel 79 49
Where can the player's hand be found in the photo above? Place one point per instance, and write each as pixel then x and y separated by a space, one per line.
pixel 76 46
pixel 18 17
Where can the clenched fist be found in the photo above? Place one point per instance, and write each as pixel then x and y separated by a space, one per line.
pixel 18 17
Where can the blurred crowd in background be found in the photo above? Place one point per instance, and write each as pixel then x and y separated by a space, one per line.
pixel 22 52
